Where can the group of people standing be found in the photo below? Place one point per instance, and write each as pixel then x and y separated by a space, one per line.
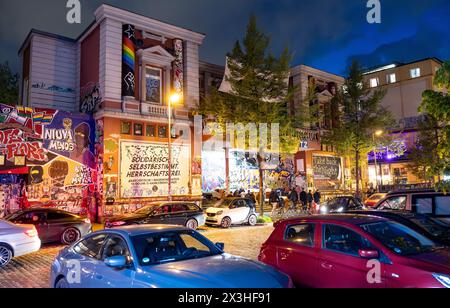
pixel 296 197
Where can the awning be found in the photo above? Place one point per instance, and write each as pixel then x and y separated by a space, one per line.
pixel 22 170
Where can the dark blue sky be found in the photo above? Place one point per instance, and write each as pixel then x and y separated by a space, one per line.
pixel 327 34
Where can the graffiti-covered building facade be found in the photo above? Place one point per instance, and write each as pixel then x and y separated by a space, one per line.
pixel 120 73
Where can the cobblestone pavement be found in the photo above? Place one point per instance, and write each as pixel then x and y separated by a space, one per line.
pixel 33 270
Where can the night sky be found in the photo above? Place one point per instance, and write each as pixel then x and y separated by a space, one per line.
pixel 327 34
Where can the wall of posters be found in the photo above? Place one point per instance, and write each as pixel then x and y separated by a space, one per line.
pixel 327 171
pixel 144 169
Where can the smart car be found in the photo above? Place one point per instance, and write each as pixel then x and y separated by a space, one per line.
pixel 232 211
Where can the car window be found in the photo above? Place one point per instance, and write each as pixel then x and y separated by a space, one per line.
pixel 91 246
pixel 432 226
pixel 58 215
pixel 191 242
pixel 115 246
pixel 31 218
pixel 423 204
pixel 242 203
pixel 177 208
pixel 394 203
pixel 442 205
pixel 233 205
pixel 193 207
pixel 301 234
pixel 162 210
pixel 344 240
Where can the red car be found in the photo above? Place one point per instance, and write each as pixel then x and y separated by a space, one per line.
pixel 355 251
pixel 374 199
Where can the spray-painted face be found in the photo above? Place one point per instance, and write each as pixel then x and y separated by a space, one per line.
pixel 36 174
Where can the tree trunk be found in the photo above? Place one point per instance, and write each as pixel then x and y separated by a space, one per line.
pixel 262 196
pixel 357 173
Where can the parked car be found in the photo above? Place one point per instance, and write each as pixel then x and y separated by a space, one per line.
pixel 428 226
pixel 53 225
pixel 171 213
pixel 232 211
pixel 158 256
pixel 374 199
pixel 356 251
pixel 341 204
pixel 16 241
pixel 429 202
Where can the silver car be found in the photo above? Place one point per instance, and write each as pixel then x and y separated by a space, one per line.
pixel 16 241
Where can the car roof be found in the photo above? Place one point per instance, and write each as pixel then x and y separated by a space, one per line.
pixel 135 230
pixel 405 214
pixel 354 219
pixel 413 191
pixel 45 209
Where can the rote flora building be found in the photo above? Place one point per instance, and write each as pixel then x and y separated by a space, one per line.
pixel 108 92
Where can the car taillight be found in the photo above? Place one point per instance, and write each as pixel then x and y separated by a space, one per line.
pixel 117 223
pixel 31 233
pixel 87 220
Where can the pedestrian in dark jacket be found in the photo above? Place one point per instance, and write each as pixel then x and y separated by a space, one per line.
pixel 293 197
pixel 310 199
pixel 303 198
pixel 317 197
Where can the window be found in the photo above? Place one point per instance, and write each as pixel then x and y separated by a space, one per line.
pixel 343 240
pixel 301 234
pixel 31 218
pixel 394 203
pixel 391 78
pixel 138 129
pixel 423 205
pixel 177 208
pixel 191 242
pixel 442 205
pixel 162 131
pixel 193 207
pixel 115 246
pixel 91 246
pixel 150 130
pixel 153 85
pixel 374 82
pixel 57 215
pixel 415 73
pixel 126 128
pixel 162 210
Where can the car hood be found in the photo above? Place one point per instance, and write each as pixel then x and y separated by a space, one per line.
pixel 222 271
pixel 439 260
pixel 215 210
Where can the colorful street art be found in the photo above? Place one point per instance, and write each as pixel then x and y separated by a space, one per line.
pixel 90 98
pixel 178 80
pixel 128 60
pixel 53 151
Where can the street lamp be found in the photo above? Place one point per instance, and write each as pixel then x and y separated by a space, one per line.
pixel 174 99
pixel 378 134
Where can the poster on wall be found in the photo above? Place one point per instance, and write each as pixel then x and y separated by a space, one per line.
pixel 213 171
pixel 327 172
pixel 144 169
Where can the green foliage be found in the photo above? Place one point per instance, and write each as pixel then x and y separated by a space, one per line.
pixel 361 115
pixel 264 219
pixel 9 85
pixel 436 104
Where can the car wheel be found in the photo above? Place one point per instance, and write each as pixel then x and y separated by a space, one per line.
pixel 62 284
pixel 5 255
pixel 252 220
pixel 70 236
pixel 226 223
pixel 192 224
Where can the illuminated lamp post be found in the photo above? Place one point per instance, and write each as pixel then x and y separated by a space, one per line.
pixel 377 134
pixel 174 99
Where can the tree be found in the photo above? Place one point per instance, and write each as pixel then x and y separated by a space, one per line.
pixel 360 116
pixel 9 85
pixel 436 104
pixel 260 93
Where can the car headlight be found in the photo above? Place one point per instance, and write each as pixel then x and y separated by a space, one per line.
pixel 219 213
pixel 323 209
pixel 443 279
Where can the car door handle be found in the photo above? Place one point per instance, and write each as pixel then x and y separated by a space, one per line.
pixel 326 265
pixel 283 256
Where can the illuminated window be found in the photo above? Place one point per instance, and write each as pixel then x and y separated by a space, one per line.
pixel 126 128
pixel 138 129
pixel 391 78
pixel 150 130
pixel 153 85
pixel 162 131
pixel 374 82
pixel 415 73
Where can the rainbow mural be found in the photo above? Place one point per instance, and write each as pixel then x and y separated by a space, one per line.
pixel 128 60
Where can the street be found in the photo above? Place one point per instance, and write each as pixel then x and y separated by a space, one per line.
pixel 33 271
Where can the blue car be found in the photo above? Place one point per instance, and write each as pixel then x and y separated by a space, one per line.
pixel 157 256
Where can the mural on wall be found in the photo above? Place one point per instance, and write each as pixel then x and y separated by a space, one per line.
pixel 53 149
pixel 178 80
pixel 90 98
pixel 144 169
pixel 327 172
pixel 52 88
pixel 128 60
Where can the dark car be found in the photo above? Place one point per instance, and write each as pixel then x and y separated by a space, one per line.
pixel 53 225
pixel 341 205
pixel 428 226
pixel 169 213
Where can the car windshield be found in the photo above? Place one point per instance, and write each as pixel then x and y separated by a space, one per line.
pixel 225 203
pixel 146 210
pixel 399 238
pixel 432 226
pixel 167 247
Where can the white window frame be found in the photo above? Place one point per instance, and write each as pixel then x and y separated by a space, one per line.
pixel 415 72
pixel 390 79
pixel 376 84
pixel 161 78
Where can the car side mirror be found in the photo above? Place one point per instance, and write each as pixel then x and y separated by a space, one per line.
pixel 369 254
pixel 116 262
pixel 221 246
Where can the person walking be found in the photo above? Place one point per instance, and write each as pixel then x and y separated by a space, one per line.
pixel 317 196
pixel 303 198
pixel 293 197
pixel 273 199
pixel 310 199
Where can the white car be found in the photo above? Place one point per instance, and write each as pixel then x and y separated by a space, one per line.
pixel 16 241
pixel 232 211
